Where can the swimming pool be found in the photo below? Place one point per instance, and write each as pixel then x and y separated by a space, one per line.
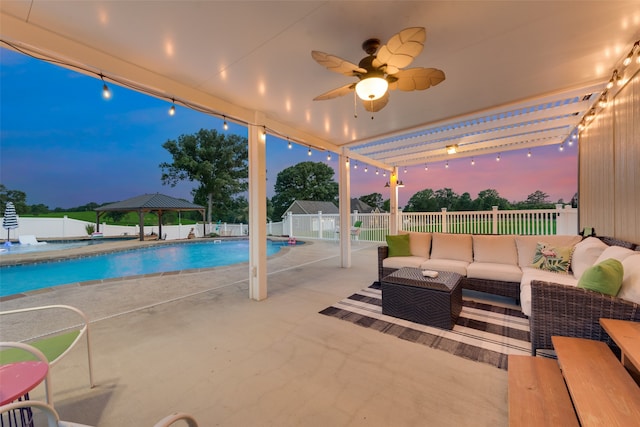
pixel 153 259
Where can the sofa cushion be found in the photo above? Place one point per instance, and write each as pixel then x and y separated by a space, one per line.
pixel 527 245
pixel 529 274
pixel 630 289
pixel 403 261
pixel 556 259
pixel 457 247
pixel 456 266
pixel 604 277
pixel 495 249
pixel 419 243
pixel 615 252
pixel 398 245
pixel 585 255
pixel 494 271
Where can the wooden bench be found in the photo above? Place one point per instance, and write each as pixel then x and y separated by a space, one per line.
pixel 602 391
pixel 538 395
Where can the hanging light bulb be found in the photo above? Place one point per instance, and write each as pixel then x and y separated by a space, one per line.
pixel 384 173
pixel 426 167
pixel 613 79
pixel 355 166
pixel 627 60
pixel 347 162
pixel 446 166
pixel 172 110
pixel 473 161
pixel 529 153
pixel 289 146
pixel 561 148
pixel 498 158
pixel 225 125
pixel 366 168
pixel 309 152
pixel 328 157
pixel 106 93
pixel 377 171
pixel 405 169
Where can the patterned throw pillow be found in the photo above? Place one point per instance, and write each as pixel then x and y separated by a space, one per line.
pixel 553 259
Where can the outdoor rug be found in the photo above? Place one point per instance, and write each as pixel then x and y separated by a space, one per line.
pixel 484 332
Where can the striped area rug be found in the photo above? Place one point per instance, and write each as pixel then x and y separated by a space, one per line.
pixel 484 332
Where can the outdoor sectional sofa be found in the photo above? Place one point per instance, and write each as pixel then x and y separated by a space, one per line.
pixel 504 265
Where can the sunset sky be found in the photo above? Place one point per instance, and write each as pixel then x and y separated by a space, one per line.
pixel 65 146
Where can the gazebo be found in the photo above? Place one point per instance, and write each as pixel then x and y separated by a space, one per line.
pixel 158 203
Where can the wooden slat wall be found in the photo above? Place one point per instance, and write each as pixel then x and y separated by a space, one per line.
pixel 609 168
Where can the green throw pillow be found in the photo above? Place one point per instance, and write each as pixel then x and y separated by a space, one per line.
pixel 552 259
pixel 605 277
pixel 399 245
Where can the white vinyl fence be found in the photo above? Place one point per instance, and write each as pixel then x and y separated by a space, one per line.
pixel 374 226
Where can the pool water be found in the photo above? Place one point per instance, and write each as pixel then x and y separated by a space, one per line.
pixel 155 259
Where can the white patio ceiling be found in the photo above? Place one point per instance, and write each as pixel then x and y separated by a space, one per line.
pixel 518 73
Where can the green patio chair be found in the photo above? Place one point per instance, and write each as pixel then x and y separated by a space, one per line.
pixel 355 230
pixel 54 344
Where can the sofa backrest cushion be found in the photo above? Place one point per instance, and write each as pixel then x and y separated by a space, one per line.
pixel 527 245
pixel 615 252
pixel 457 247
pixel 604 277
pixel 398 245
pixel 585 255
pixel 419 243
pixel 495 249
pixel 630 289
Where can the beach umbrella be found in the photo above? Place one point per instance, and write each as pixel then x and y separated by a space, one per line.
pixel 10 219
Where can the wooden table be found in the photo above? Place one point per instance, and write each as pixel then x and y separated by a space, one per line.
pixel 626 335
pixel 602 391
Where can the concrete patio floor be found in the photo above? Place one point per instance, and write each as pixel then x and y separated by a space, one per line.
pixel 194 342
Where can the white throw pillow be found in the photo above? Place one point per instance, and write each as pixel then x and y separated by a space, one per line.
pixel 615 252
pixel 630 289
pixel 419 243
pixel 585 255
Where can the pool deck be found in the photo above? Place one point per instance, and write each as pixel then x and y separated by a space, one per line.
pixel 193 341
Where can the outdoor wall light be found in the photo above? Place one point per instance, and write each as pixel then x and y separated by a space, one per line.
pixel 400 184
pixel 372 88
pixel 452 149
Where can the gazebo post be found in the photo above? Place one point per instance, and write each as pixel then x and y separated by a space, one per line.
pixel 159 225
pixel 141 217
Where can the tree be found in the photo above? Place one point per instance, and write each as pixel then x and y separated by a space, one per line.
pixel 422 201
pixel 19 199
pixel 538 200
pixel 464 203
pixel 446 198
pixel 216 161
pixel 374 200
pixel 489 198
pixel 304 181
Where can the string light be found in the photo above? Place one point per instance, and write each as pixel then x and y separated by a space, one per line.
pixel 264 133
pixel 355 166
pixel 328 156
pixel 498 158
pixel 366 168
pixel 289 146
pixel 225 125
pixel 309 152
pixel 405 169
pixel 347 162
pixel 446 166
pixel 377 172
pixel 426 167
pixel 529 153
pixel 561 148
pixel 384 173
pixel 172 110
pixel 473 161
pixel 106 93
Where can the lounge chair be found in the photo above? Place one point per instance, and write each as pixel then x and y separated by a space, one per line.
pixel 53 419
pixel 30 239
pixel 54 344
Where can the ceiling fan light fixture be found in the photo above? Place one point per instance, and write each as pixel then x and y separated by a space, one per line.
pixel 372 88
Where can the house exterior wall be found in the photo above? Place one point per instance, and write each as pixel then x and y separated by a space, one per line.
pixel 609 165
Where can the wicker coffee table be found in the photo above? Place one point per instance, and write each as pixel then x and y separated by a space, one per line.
pixel 407 294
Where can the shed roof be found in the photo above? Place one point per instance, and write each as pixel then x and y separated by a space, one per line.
pixel 151 202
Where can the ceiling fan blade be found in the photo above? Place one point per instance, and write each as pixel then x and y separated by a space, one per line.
pixel 417 79
pixel 402 48
pixel 376 105
pixel 336 64
pixel 341 91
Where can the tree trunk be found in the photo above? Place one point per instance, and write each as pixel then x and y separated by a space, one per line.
pixel 209 207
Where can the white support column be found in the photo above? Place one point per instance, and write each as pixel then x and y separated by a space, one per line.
pixel 344 184
pixel 393 202
pixel 257 213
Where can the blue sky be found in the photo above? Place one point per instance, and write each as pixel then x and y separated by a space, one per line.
pixel 63 145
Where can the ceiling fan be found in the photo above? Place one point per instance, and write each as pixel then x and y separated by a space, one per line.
pixel 383 69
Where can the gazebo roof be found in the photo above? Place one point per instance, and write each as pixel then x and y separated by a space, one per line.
pixel 151 202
